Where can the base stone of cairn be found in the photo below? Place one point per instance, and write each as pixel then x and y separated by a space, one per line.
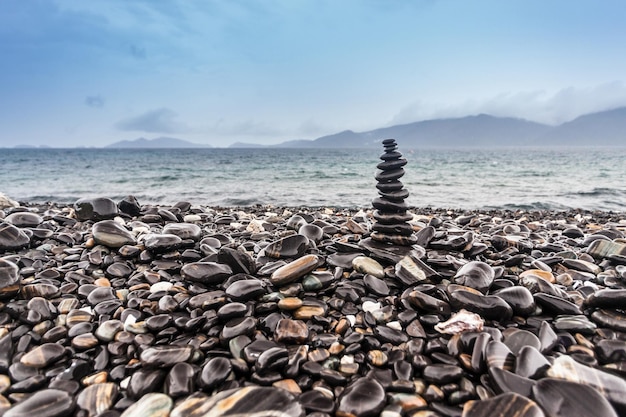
pixel 392 235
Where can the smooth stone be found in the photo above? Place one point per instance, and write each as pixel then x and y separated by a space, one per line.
pixel 376 285
pixel 240 402
pixel 129 205
pixel 291 331
pixel 580 265
pixel 292 246
pixel 519 298
pixel 530 363
pixel 312 232
pixel 12 238
pixel 367 265
pixel 605 248
pixel 364 397
pixel 547 337
pixel 498 355
pixel 568 399
pixel 384 205
pixel 107 330
pixel 9 276
pixel 504 381
pixel 612 319
pixel 150 405
pixel 97 398
pixel 388 335
pixel 392 164
pixel 215 372
pixel 611 350
pixel 294 270
pixel 238 260
pixel 490 307
pixel 410 271
pixel 179 380
pixel 184 230
pixel 391 218
pixel 317 280
pixel 100 208
pixel 274 358
pixel 159 243
pixel 607 298
pixel 100 294
pixel 44 403
pixel 206 272
pixel 24 219
pixel 315 401
pixel 112 234
pixel 246 289
pixel 237 327
pixel 609 385
pixel 428 303
pixel 442 374
pixel 389 175
pixel 579 324
pixel 163 356
pixel 556 305
pixel 43 355
pixel 475 274
pixel 393 229
pixel 516 339
pixel 508 404
pixel 119 270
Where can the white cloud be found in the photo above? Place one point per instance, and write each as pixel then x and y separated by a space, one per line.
pixel 161 120
pixel 540 106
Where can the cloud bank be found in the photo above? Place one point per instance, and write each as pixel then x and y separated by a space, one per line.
pixel 161 120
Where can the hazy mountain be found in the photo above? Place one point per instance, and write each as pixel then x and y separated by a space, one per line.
pixel 607 128
pixel 157 143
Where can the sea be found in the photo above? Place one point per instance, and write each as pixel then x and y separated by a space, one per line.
pixel 502 178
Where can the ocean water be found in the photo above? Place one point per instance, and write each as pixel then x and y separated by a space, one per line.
pixel 554 179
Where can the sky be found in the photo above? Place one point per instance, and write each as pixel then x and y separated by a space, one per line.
pixel 89 73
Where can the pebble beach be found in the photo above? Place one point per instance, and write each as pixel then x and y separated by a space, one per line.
pixel 114 308
pixel 117 308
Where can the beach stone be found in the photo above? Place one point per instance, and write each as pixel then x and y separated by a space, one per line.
pixel 159 356
pixel 43 355
pixel 516 339
pixel 605 248
pixel 364 397
pixel 237 327
pixel 475 274
pixel 504 381
pixel 44 403
pixel 246 289
pixel 367 265
pixel 291 331
pixel 12 238
pixel 312 232
pixel 490 307
pixel 179 380
pixel 215 372
pixel 239 261
pixel 611 386
pixel 206 272
pixel 6 202
pixel 97 398
pixel 519 298
pixel 294 270
pixel 184 230
pixel 247 401
pixel 9 278
pixel 159 243
pixel 607 298
pixel 292 246
pixel 409 272
pixel 24 219
pixel 150 405
pixel 504 405
pixel 568 399
pixel 530 363
pixel 100 208
pixel 442 373
pixel 129 205
pixel 556 305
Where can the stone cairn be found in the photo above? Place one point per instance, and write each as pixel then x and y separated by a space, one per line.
pixel 391 214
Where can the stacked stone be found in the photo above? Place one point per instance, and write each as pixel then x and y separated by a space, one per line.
pixel 391 210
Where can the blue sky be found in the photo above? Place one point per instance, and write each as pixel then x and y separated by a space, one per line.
pixel 88 73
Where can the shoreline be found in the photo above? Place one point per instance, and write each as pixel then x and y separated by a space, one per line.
pixel 117 308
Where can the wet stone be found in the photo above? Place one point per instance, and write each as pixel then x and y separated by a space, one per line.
pixel 206 272
pixel 100 208
pixel 159 243
pixel 12 238
pixel 475 274
pixel 519 298
pixel 111 234
pixel 24 219
pixel 247 401
pixel 289 247
pixel 294 270
pixel 568 399
pixel 9 278
pixel 291 331
pixel 184 230
pixel 159 356
pixel 503 405
pixel 43 355
pixel 367 265
pixel 442 374
pixel 97 398
pixel 246 289
pixel 364 397
pixel 44 403
pixel 215 372
pixel 150 405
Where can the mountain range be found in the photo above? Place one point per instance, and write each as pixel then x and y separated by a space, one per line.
pixel 606 128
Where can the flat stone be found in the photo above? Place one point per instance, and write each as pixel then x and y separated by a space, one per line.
pixel 605 248
pixel 43 355
pixel 24 219
pixel 44 403
pixel 150 405
pixel 503 405
pixel 159 243
pixel 97 398
pixel 367 265
pixel 12 238
pixel 184 230
pixel 9 275
pixel 294 270
pixel 100 208
pixel 568 399
pixel 289 247
pixel 475 274
pixel 159 356
pixel 291 331
pixel 206 272
pixel 247 401
pixel 364 397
